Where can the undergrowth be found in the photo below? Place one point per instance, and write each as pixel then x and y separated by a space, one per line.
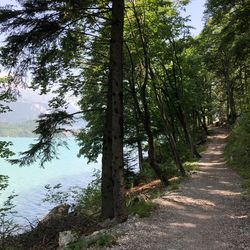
pixel 100 241
pixel 142 208
pixel 237 150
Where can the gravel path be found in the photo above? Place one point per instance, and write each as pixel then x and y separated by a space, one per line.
pixel 208 212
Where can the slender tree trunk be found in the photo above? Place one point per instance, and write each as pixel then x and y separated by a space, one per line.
pixel 140 154
pixel 203 121
pixel 137 111
pixel 169 131
pixel 116 61
pixel 231 113
pixel 187 135
pixel 107 179
pixel 151 146
pixel 176 154
pixel 146 112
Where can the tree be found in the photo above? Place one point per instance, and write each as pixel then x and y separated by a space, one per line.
pixel 54 35
pixel 113 132
pixel 226 39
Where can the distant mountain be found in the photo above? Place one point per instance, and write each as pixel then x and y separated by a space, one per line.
pixel 24 129
pixel 20 121
pixel 24 110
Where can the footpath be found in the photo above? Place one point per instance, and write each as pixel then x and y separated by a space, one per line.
pixel 207 213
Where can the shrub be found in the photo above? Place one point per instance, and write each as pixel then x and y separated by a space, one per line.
pixel 142 207
pixel 97 241
pixel 237 150
pixel 7 225
pixel 85 201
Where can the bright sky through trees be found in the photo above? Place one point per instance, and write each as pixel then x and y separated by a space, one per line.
pixel 195 10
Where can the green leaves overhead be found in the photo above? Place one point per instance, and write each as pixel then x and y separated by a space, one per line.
pixel 48 37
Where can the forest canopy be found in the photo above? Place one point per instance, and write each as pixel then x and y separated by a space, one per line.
pixel 144 84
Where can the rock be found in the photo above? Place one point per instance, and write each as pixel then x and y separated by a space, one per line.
pixel 59 211
pixel 65 238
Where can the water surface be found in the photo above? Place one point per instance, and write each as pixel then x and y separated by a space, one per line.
pixel 28 182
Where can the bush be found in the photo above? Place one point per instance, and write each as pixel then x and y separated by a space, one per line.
pixel 88 200
pixel 97 241
pixel 237 150
pixel 141 207
pixel 85 201
pixel 7 225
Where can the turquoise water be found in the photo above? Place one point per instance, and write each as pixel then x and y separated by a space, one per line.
pixel 28 182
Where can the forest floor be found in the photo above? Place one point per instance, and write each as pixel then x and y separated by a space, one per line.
pixel 208 212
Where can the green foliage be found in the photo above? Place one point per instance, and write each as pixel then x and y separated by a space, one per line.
pixel 237 150
pixel 7 225
pixel 202 148
pixel 5 152
pixel 55 195
pixel 3 182
pixel 80 244
pixel 142 207
pixel 190 166
pixel 85 201
pixel 88 202
pixel 99 241
pixel 173 186
pixel 147 174
pixel 105 240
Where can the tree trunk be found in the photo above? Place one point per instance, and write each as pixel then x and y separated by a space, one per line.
pixel 187 135
pixel 140 154
pixel 176 154
pixel 116 63
pixel 146 112
pixel 107 179
pixel 113 188
pixel 231 113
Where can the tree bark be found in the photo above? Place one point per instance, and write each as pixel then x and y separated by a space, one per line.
pixel 107 178
pixel 146 112
pixel 113 188
pixel 116 63
pixel 231 113
pixel 151 146
pixel 187 135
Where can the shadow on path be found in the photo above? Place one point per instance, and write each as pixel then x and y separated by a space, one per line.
pixel 208 212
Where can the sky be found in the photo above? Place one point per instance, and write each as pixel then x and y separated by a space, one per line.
pixel 195 10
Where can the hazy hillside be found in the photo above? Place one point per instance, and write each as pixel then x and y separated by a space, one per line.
pixel 23 111
pixel 21 120
pixel 23 129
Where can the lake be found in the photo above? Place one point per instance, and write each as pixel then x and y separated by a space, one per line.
pixel 28 182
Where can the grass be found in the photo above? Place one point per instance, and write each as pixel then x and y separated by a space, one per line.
pixel 142 208
pixel 174 186
pixel 202 148
pixel 100 241
pixel 191 166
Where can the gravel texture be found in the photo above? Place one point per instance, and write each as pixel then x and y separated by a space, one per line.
pixel 208 212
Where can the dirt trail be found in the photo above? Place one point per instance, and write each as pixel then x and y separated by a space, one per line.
pixel 208 212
